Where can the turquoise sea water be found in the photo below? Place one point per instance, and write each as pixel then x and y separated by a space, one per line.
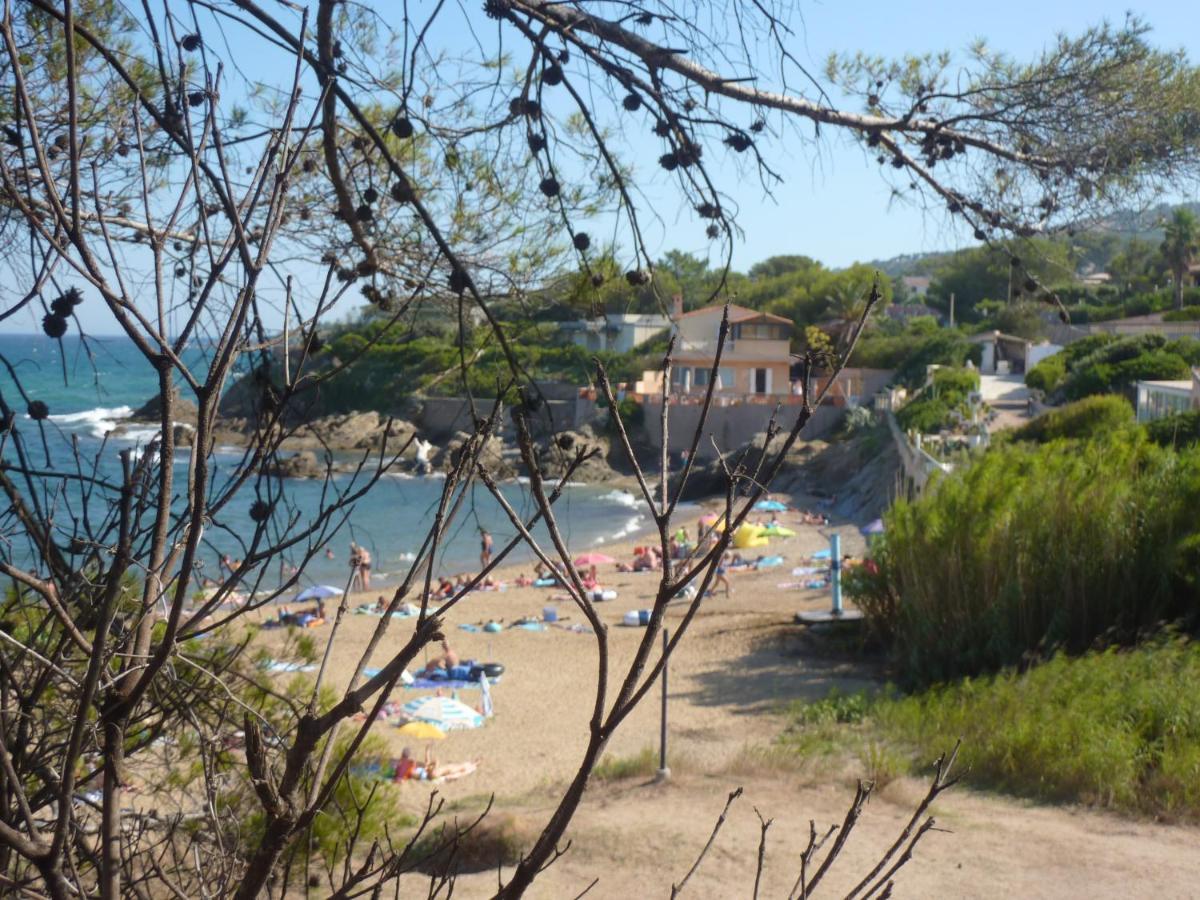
pixel 102 389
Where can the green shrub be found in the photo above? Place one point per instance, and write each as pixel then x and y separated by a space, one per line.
pixel 936 405
pixel 1048 374
pixel 1031 549
pixel 1179 430
pixel 1117 729
pixel 1088 418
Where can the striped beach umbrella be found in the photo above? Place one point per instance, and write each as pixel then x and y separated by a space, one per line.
pixel 446 713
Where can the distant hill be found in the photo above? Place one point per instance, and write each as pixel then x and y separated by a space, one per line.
pixel 1094 246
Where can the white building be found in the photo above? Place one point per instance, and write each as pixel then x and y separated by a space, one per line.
pixel 1156 399
pixel 1004 354
pixel 618 332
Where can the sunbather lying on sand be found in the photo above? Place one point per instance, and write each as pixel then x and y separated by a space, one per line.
pixel 408 769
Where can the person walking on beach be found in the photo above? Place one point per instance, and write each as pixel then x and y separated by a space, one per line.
pixel 485 548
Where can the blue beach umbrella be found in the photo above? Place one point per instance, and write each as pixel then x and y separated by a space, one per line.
pixel 770 506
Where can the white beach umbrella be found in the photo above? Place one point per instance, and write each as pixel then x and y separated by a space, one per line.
pixel 318 592
pixel 446 713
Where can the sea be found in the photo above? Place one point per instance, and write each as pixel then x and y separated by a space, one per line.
pixel 93 385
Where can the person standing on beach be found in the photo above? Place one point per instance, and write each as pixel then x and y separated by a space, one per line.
pixel 485 548
pixel 364 568
pixel 355 568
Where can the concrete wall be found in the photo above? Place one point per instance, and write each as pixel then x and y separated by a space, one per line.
pixel 441 417
pixel 916 465
pixel 731 427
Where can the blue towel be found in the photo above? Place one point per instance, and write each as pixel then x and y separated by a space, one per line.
pixel 467 626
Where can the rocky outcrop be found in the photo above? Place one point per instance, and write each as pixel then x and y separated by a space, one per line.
pixel 350 431
pixel 556 454
pixel 493 458
pixel 184 411
pixel 304 464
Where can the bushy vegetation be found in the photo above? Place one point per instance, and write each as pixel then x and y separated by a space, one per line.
pixel 1106 364
pixel 1036 548
pixel 912 350
pixel 1179 430
pixel 937 404
pixel 1092 417
pixel 1118 728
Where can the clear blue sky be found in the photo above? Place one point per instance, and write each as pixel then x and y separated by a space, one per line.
pixel 834 206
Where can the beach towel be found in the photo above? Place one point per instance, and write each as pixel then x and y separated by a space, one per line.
pixel 530 626
pixel 821 554
pixel 768 562
pixel 808 570
pixel 276 665
pixel 816 585
pixel 467 626
pixel 432 684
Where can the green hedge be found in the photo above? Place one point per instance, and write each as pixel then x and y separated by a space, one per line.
pixel 1088 418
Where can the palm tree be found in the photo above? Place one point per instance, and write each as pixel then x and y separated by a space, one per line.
pixel 1180 239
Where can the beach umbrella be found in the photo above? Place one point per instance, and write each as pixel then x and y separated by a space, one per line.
pixel 446 713
pixel 875 527
pixel 593 559
pixel 318 592
pixel 770 506
pixel 421 731
pixel 709 519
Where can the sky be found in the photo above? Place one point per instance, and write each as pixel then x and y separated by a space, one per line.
pixel 837 210
pixel 833 205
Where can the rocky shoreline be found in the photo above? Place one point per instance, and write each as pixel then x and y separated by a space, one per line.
pixel 337 442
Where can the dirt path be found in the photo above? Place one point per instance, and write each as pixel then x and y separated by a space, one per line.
pixel 728 685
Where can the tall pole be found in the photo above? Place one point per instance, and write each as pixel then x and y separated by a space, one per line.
pixel 835 572
pixel 952 309
pixel 663 771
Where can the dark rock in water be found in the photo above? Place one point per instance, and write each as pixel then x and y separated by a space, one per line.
pixel 299 465
pixel 151 411
pixel 556 454
pixel 183 434
pixel 350 431
pixel 492 458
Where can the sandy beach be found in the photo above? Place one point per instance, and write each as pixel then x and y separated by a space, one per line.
pixel 742 661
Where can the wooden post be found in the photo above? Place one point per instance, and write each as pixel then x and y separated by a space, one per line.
pixel 664 772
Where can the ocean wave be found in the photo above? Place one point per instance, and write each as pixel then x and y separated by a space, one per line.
pixel 97 422
pixel 623 498
pixel 136 435
pixel 631 527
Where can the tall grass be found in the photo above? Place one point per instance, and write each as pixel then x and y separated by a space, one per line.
pixel 1032 549
pixel 1118 728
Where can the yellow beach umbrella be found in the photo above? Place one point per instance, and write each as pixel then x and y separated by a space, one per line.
pixel 422 731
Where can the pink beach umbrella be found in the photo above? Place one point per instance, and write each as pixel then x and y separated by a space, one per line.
pixel 593 559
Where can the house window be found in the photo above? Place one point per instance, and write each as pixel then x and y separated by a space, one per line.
pixel 762 381
pixel 725 379
pixel 758 332
pixel 700 377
